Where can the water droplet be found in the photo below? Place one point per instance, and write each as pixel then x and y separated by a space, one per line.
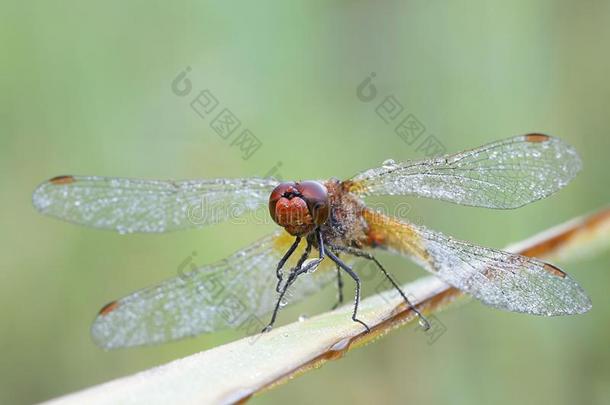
pixel 337 350
pixel 423 323
pixel 389 163
pixel 313 263
pixel 283 302
pixel 341 345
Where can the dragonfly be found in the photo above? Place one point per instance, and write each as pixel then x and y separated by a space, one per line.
pixel 323 226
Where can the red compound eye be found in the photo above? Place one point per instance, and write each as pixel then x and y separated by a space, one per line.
pixel 316 197
pixel 299 207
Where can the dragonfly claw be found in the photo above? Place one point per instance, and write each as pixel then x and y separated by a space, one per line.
pixel 362 323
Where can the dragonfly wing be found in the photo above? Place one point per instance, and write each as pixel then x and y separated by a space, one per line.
pixel 504 174
pixel 132 205
pixel 233 293
pixel 500 279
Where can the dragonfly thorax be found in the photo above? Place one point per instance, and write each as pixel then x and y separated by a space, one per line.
pixel 299 207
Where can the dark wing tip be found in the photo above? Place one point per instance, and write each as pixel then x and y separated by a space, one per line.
pixel 40 196
pixel 537 138
pixel 108 308
pixel 61 180
pixel 556 271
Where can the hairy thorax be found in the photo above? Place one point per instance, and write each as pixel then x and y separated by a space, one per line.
pixel 345 225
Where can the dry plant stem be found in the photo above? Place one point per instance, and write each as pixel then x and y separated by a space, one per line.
pixel 235 371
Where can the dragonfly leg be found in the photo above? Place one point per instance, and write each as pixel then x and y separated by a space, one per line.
pixel 278 304
pixel 353 275
pixel 360 253
pixel 314 263
pixel 339 288
pixel 296 272
pixel 307 252
pixel 282 262
pixel 302 259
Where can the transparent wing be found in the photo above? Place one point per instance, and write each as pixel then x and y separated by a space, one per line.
pixel 500 279
pixel 132 205
pixel 234 293
pixel 503 280
pixel 504 174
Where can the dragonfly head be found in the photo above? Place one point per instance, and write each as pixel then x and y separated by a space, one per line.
pixel 299 207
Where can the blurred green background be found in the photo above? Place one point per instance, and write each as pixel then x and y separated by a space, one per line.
pixel 86 89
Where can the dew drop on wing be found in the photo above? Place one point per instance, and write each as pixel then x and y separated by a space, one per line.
pixel 388 164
